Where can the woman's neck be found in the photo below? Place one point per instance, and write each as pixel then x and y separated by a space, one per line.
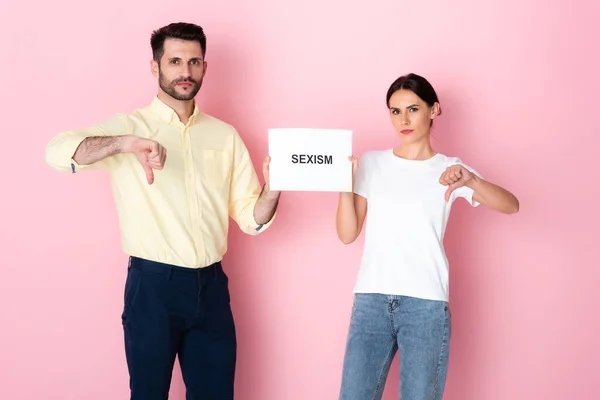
pixel 415 151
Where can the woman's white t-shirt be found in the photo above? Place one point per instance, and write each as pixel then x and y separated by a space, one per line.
pixel 406 219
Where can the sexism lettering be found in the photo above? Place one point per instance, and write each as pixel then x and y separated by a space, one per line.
pixel 311 159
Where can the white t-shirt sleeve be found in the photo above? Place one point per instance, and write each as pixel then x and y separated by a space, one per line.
pixel 361 186
pixel 466 192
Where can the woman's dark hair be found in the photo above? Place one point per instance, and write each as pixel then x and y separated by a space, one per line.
pixel 416 84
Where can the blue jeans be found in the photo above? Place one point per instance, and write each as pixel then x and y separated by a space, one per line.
pixel 380 326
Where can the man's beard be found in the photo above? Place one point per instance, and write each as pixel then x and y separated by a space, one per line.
pixel 170 88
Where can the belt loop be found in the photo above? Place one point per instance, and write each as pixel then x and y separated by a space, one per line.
pixel 170 272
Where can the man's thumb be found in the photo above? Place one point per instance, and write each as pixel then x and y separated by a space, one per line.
pixel 149 172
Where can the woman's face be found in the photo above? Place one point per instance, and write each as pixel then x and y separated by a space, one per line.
pixel 411 116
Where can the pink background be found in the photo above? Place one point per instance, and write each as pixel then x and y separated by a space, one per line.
pixel 518 84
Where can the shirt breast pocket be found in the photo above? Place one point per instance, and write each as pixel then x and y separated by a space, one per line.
pixel 215 168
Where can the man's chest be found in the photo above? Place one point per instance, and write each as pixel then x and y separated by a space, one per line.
pixel 195 156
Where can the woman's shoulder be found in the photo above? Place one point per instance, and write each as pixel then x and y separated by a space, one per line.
pixel 447 160
pixel 370 155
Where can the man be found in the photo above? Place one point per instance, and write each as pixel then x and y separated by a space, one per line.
pixel 177 174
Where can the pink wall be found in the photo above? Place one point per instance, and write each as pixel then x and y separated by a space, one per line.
pixel 518 84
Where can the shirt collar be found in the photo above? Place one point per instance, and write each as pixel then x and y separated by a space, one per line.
pixel 167 114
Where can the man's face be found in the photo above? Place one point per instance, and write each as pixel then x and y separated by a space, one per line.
pixel 181 69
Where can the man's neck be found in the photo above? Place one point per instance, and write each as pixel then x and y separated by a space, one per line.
pixel 183 108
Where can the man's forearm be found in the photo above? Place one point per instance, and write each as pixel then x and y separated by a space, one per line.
pixel 266 205
pixel 96 148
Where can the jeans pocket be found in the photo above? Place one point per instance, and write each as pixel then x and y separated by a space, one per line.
pixel 448 320
pixel 132 287
pixel 357 302
pixel 354 304
pixel 225 283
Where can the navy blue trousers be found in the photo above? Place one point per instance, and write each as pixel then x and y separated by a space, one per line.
pixel 173 311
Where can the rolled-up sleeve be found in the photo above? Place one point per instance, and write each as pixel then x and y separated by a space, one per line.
pixel 61 148
pixel 245 190
pixel 464 191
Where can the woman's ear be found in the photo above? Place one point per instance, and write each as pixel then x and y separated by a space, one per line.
pixel 435 110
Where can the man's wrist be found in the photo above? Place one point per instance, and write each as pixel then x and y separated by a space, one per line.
pixel 124 143
pixel 268 192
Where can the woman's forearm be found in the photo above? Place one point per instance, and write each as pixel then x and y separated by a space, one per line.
pixel 346 219
pixel 494 196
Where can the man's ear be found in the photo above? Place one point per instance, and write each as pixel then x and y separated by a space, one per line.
pixel 154 68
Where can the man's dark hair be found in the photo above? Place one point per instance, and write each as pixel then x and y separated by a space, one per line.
pixel 176 30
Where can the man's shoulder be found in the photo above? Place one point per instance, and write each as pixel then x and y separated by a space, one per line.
pixel 126 116
pixel 208 120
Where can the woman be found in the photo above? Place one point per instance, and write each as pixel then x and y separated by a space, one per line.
pixel 401 294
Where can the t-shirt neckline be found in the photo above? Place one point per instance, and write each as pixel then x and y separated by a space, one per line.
pixel 405 160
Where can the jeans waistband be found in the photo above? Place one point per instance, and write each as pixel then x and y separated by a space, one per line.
pixel 173 270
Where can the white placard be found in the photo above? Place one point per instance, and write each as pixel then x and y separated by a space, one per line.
pixel 304 159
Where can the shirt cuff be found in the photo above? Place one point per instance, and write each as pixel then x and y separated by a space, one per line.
pixel 263 227
pixel 59 153
pixel 249 225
